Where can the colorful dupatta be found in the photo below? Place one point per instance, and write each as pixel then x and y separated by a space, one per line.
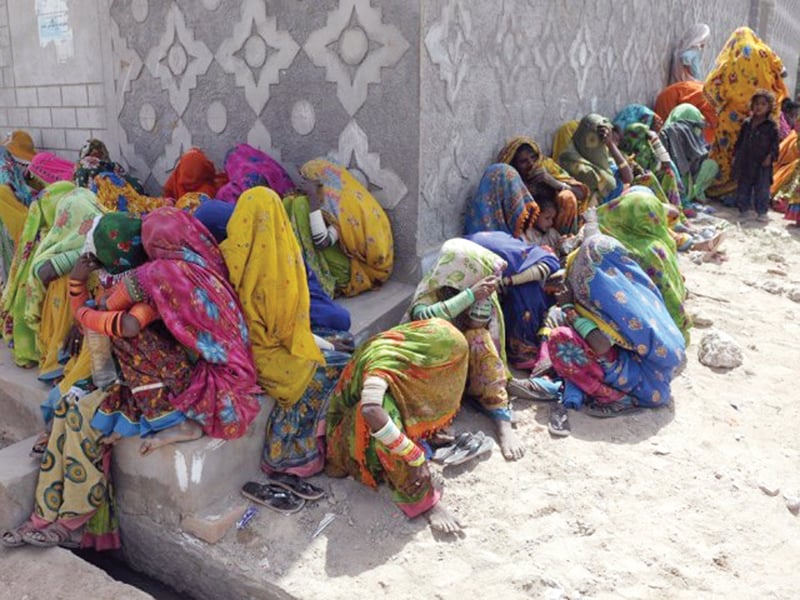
pixel 187 281
pixel 687 60
pixel 365 233
pixel 687 92
pixel 586 157
pixel 636 141
pixel 116 193
pixel 248 167
pixel 640 222
pixel 634 113
pixel 745 64
pixel 193 173
pixel 563 138
pixel 268 274
pixel 502 203
pixel 13 175
pixel 41 216
pixel 523 305
pixel 117 239
pixel 424 364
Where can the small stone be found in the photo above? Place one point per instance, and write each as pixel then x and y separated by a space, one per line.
pixel 769 489
pixel 701 321
pixel 212 529
pixel 793 504
pixel 750 282
pixel 661 450
pixel 793 293
pixel 773 287
pixel 752 347
pixel 696 257
pixel 718 475
pixel 720 350
pixel 777 271
pixel 776 257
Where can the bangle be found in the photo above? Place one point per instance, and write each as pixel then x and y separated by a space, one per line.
pixel 567 305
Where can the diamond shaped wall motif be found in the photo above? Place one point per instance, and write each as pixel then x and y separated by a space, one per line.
pixel 354 150
pixel 178 59
pixel 353 47
pixel 140 36
pixel 126 64
pixel 448 43
pixel 256 53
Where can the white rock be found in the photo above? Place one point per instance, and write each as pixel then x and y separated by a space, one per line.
pixel 701 321
pixel 793 293
pixel 793 504
pixel 720 350
pixel 776 257
pixel 773 287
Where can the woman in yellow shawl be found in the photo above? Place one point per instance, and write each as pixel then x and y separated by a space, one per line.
pixel 546 180
pixel 41 216
pixel 266 269
pixel 114 192
pixel 47 310
pixel 352 230
pixel 563 137
pixel 745 64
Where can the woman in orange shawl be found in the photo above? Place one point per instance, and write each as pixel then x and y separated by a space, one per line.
pixel 194 174
pixel 545 179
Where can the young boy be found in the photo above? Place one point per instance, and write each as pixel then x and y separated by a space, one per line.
pixel 543 233
pixel 755 150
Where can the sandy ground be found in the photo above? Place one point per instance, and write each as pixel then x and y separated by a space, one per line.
pixel 663 504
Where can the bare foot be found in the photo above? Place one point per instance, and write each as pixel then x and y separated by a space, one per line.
pixel 440 519
pixel 510 445
pixel 182 432
pixel 110 440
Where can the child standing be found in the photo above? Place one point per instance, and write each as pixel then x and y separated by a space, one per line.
pixel 755 150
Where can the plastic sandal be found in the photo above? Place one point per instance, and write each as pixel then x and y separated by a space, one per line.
pixel 14 538
pixel 445 452
pixel 299 487
pixel 558 424
pixel 53 535
pixel 273 496
pixel 479 446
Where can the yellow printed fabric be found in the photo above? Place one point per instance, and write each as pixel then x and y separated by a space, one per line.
pixel 563 138
pixel 12 212
pixel 54 326
pixel 365 234
pixel 267 271
pixel 744 65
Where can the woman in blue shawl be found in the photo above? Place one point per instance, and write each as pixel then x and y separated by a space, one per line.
pixel 619 348
pixel 524 301
pixel 502 203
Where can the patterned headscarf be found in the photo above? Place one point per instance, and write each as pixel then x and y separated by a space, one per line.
pixel 118 242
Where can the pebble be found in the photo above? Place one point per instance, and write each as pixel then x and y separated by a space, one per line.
pixel 773 287
pixel 720 350
pixel 701 321
pixel 793 293
pixel 769 489
pixel 661 450
pixel 776 257
pixel 776 271
pixel 793 504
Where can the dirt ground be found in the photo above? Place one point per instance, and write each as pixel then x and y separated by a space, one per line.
pixel 680 502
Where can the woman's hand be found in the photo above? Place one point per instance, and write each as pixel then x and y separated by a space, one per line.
pixel 47 273
pixel 83 268
pixel 564 295
pixel 73 341
pixel 418 479
pixel 484 288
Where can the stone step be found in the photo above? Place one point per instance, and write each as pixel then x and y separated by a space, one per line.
pixel 19 473
pixel 21 394
pixel 377 310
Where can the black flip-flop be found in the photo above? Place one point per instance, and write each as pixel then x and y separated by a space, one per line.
pixel 479 445
pixel 297 486
pixel 460 442
pixel 273 496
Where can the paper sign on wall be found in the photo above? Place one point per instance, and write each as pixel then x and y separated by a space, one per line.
pixel 53 25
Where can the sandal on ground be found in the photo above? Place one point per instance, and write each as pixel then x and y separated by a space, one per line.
pixel 40 445
pixel 273 496
pixel 459 442
pixel 478 445
pixel 558 425
pixel 53 535
pixel 14 538
pixel 299 487
pixel 611 409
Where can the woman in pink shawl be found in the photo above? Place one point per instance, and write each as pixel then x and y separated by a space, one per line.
pixel 186 280
pixel 247 168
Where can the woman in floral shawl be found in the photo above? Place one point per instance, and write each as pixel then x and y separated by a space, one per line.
pixel 116 193
pixel 637 113
pixel 94 159
pixel 619 348
pixel 744 65
pixel 545 179
pixel 247 167
pixel 41 217
pixel 502 203
pixel 401 386
pixel 643 143
pixel 15 196
pixel 268 274
pixel 640 222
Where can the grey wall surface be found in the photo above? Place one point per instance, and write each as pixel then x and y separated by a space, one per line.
pixel 415 96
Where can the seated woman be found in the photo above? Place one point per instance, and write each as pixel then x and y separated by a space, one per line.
pixel 637 113
pixel 594 159
pixel 744 65
pixel 619 348
pixel 502 203
pixel 116 193
pixel 41 216
pixel 20 146
pixel 523 299
pixel 547 181
pixel 47 311
pixel 682 136
pixel 271 285
pixel 461 288
pixel 351 234
pixel 93 159
pixel 326 315
pixel 563 137
pixel 687 60
pixel 639 221
pixel 15 197
pixel 194 174
pixel 645 146
pixel 47 168
pixel 400 387
pixel 247 167
pixel 789 155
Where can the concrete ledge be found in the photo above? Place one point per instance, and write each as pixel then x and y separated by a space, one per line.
pixel 186 478
pixel 377 310
pixel 19 473
pixel 33 573
pixel 21 395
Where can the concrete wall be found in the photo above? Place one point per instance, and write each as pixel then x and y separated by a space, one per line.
pixel 415 96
